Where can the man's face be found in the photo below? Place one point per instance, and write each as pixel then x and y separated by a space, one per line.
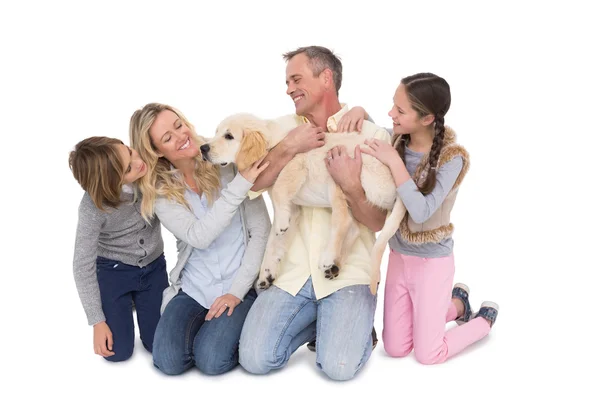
pixel 305 89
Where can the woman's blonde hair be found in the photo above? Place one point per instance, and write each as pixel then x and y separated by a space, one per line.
pixel 162 179
pixel 97 166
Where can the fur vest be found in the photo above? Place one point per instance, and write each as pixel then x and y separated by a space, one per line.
pixel 438 227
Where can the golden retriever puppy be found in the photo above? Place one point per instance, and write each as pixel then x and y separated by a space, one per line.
pixel 305 181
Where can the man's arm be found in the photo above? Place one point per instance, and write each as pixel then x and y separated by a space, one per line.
pixel 278 157
pixel 364 212
pixel 345 171
pixel 299 140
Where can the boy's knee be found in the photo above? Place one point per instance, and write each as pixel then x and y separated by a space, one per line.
pixel 121 355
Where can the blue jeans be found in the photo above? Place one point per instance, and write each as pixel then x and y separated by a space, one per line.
pixel 184 339
pixel 279 323
pixel 121 284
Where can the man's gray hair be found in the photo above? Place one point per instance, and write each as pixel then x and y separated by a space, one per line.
pixel 320 58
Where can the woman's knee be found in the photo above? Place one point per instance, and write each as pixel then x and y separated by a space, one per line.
pixel 214 358
pixel 211 365
pixel 169 358
pixel 169 364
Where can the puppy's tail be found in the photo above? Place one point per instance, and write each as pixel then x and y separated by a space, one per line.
pixel 392 222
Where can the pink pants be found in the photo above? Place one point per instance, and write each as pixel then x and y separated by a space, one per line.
pixel 417 306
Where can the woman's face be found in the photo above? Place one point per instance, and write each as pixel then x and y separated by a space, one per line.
pixel 135 168
pixel 172 138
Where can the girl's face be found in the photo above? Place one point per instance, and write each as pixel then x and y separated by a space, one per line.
pixel 172 138
pixel 406 119
pixel 135 168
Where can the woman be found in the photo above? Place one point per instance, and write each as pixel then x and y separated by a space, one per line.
pixel 221 238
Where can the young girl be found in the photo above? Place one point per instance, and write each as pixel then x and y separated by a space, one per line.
pixel 221 237
pixel 428 167
pixel 119 258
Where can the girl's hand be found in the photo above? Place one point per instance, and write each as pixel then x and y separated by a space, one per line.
pixel 384 152
pixel 221 304
pixel 352 121
pixel 253 171
pixel 103 340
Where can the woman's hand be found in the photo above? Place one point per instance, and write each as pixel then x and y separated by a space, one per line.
pixel 221 304
pixel 253 171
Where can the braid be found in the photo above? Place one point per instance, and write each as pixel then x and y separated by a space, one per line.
pixel 434 154
pixel 400 142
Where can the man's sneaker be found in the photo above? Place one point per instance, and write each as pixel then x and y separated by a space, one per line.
pixel 461 292
pixel 489 311
pixel 312 346
pixel 374 338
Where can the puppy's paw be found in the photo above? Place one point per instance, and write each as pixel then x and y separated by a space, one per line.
pixel 331 271
pixel 329 265
pixel 265 283
pixel 266 277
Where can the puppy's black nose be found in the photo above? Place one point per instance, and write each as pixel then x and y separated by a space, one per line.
pixel 205 148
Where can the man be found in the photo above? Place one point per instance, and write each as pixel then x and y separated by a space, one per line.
pixel 302 304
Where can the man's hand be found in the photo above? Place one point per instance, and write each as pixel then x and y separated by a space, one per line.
pixel 103 340
pixel 221 304
pixel 344 169
pixel 304 138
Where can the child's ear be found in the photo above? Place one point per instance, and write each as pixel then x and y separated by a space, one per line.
pixel 427 120
pixel 253 147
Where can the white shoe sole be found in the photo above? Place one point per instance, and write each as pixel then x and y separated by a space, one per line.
pixel 490 304
pixel 463 287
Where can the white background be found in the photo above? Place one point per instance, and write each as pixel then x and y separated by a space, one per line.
pixel 524 103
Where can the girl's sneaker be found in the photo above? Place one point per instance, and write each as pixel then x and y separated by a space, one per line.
pixel 461 292
pixel 489 311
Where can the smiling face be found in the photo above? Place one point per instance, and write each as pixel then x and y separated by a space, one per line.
pixel 305 89
pixel 240 139
pixel 134 167
pixel 405 118
pixel 172 138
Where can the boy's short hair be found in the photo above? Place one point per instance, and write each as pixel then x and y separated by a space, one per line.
pixel 98 168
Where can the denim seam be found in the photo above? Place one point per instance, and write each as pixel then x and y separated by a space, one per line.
pixel 366 348
pixel 188 331
pixel 287 325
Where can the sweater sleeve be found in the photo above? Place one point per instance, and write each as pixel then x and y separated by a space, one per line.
pixel 89 226
pixel 258 225
pixel 421 207
pixel 200 233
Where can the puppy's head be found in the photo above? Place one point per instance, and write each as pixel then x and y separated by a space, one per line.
pixel 240 139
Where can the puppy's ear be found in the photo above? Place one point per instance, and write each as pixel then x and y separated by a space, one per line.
pixel 253 147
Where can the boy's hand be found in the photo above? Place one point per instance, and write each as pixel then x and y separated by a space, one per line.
pixel 103 340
